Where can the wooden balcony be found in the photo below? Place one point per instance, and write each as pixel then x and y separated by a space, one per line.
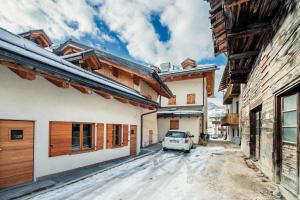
pixel 230 119
pixel 232 91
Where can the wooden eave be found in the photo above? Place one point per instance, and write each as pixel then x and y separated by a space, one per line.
pixel 248 26
pixel 43 40
pixel 27 74
pixel 232 91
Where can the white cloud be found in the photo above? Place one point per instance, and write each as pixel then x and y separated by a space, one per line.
pixel 187 21
pixel 52 16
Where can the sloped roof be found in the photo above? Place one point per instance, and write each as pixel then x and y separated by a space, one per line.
pixel 28 33
pixel 17 49
pixel 198 69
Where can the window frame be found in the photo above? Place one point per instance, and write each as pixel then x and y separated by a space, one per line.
pixel 81 146
pixel 282 111
pixel 120 135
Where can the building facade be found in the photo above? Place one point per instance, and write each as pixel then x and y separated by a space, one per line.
pixel 187 109
pixel 264 58
pixel 58 113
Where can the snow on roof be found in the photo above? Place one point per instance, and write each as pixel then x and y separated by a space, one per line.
pixel 17 44
pixel 179 112
pixel 199 68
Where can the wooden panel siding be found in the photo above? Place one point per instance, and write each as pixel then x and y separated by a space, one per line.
pixel 16 154
pixel 60 135
pixel 100 136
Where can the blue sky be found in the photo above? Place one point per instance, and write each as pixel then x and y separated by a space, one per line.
pixel 149 32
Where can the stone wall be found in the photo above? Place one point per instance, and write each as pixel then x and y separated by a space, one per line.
pixel 277 66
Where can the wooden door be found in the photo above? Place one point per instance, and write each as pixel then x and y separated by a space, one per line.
pixel 150 136
pixel 16 152
pixel 133 138
pixel 174 124
pixel 255 133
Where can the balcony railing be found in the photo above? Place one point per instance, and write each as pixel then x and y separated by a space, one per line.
pixel 230 119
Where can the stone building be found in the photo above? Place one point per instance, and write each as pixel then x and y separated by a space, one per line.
pixel 261 40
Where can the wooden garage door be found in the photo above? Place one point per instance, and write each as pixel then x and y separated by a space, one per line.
pixel 16 152
pixel 133 138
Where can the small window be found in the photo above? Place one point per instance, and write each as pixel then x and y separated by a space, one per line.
pixel 191 98
pixel 289 116
pixel 87 136
pixel 82 136
pixel 75 137
pixel 172 100
pixel 16 134
pixel 117 135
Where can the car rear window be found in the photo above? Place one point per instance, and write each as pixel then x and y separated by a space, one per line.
pixel 176 134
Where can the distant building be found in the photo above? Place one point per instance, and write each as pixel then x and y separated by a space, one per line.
pixel 187 109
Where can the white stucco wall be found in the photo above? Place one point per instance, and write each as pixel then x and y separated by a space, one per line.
pixel 191 124
pixel 150 123
pixel 184 87
pixel 41 101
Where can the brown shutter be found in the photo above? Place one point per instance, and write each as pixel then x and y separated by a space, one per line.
pixel 109 136
pixel 125 134
pixel 174 124
pixel 60 138
pixel 100 136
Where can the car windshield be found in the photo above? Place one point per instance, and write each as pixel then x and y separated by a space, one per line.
pixel 176 134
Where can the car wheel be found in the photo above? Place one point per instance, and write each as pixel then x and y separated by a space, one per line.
pixel 187 151
pixel 165 149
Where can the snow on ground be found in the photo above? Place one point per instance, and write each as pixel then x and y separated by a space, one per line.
pixel 162 176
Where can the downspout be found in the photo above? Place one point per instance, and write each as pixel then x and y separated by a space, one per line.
pixel 148 113
pixel 203 106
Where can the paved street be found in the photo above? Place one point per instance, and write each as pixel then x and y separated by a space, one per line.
pixel 212 172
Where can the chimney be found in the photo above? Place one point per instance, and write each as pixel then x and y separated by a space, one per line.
pixel 165 67
pixel 188 63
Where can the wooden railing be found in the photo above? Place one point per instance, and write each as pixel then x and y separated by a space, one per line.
pixel 230 119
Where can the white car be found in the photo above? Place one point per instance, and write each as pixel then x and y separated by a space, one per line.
pixel 178 140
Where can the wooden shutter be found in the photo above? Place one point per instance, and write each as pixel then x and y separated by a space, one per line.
pixel 191 98
pixel 60 138
pixel 125 135
pixel 172 100
pixel 109 136
pixel 174 124
pixel 100 136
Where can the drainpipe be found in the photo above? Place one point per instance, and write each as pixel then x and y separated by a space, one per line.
pixel 148 113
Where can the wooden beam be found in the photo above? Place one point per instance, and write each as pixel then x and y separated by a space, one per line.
pixel 82 89
pixel 19 70
pixel 134 103
pixel 103 94
pixel 250 30
pixel 243 55
pixel 121 100
pixel 57 82
pixel 232 3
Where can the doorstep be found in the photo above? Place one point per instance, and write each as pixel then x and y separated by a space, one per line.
pixel 55 181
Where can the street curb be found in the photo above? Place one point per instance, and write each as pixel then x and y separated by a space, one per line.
pixel 34 194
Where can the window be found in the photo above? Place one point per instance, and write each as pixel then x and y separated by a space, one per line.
pixel 117 135
pixel 75 137
pixel 289 118
pixel 16 135
pixel 172 100
pixel 237 107
pixel 82 136
pixel 190 98
pixel 233 132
